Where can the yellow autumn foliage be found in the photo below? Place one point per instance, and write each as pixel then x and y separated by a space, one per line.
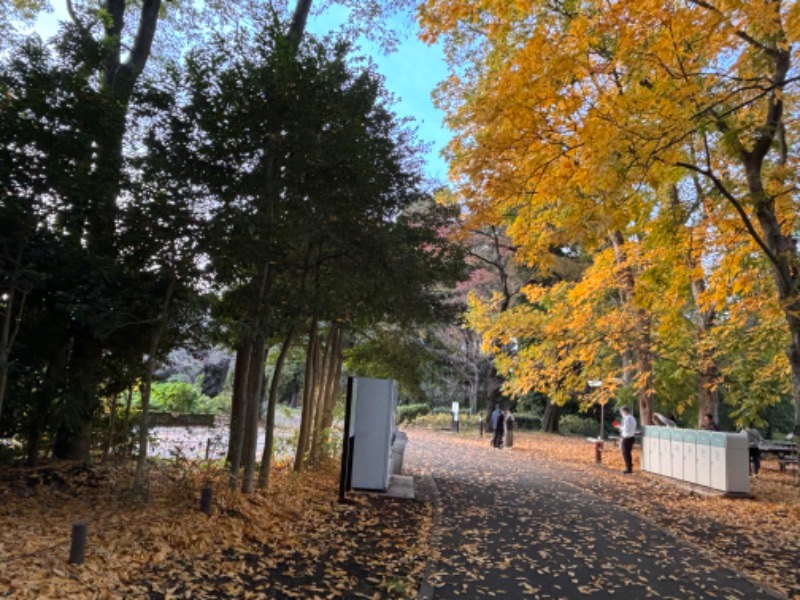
pixel 665 126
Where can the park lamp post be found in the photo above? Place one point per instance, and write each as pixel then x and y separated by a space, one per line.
pixel 594 383
pixel 598 446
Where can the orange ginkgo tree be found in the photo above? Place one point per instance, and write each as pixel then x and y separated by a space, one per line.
pixel 559 104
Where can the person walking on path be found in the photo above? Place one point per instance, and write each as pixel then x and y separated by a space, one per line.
pixel 627 431
pixel 509 423
pixel 753 440
pixel 497 427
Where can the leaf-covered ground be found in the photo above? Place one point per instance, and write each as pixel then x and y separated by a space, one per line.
pixel 759 537
pixel 297 541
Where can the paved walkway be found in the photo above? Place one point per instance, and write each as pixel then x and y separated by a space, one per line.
pixel 512 528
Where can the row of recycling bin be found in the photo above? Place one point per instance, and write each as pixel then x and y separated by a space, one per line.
pixel 712 459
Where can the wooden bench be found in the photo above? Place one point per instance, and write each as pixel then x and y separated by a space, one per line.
pixel 786 460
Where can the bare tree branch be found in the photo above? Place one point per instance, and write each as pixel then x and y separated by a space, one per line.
pixel 737 205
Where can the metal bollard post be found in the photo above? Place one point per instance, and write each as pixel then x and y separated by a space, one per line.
pixel 205 500
pixel 598 452
pixel 481 422
pixel 77 549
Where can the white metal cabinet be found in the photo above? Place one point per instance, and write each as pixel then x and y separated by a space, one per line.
pixel 374 424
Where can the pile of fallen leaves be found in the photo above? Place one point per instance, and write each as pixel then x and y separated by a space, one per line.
pixel 294 540
pixel 759 536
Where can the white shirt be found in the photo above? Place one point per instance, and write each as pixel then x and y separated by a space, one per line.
pixel 628 428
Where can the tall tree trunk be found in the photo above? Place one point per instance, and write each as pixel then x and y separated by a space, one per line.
pixel 126 421
pixel 321 383
pixel 298 25
pixel 238 412
pixel 780 248
pixel 5 347
pixel 472 370
pixel 74 433
pixel 117 85
pixel 645 391
pixel 256 393
pixel 786 271
pixel 112 421
pixel 309 395
pixel 493 387
pixel 244 449
pixel 707 367
pixel 33 443
pixel 43 406
pixel 333 391
pixel 9 332
pixel 144 425
pixel 628 366
pixel 147 384
pixel 550 417
pixel 335 378
pixel 269 430
pixel 708 370
pixel 45 398
pixel 329 378
pixel 44 401
pixel 252 376
pixel 641 343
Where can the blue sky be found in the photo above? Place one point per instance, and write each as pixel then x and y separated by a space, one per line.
pixel 411 73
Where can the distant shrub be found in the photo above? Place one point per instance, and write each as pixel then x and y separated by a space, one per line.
pixel 174 396
pixel 577 425
pixel 528 422
pixel 218 405
pixel 411 412
pixel 466 421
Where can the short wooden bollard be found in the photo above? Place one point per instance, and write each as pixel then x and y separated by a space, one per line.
pixel 598 452
pixel 77 549
pixel 205 500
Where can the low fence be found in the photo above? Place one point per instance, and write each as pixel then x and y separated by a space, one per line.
pixel 165 419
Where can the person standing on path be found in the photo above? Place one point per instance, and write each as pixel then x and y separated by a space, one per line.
pixel 499 430
pixel 753 440
pixel 509 423
pixel 496 414
pixel 627 431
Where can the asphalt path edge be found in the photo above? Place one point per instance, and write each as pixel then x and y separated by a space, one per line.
pixel 429 493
